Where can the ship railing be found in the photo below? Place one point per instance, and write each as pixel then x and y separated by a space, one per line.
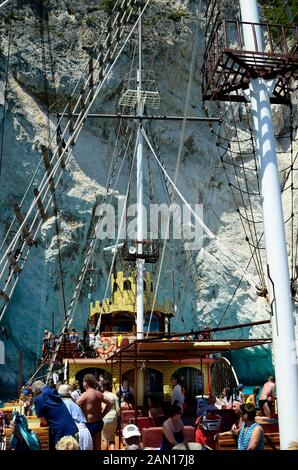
pixel 228 65
pixel 228 35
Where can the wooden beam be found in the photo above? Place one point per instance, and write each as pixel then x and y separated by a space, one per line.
pixel 39 204
pixel 48 166
pixel 13 262
pixel 3 295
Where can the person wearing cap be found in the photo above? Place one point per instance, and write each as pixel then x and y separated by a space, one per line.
pixel 206 407
pixel 52 412
pixel 132 437
pixel 77 414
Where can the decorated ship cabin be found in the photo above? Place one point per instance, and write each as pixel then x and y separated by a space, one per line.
pixel 149 363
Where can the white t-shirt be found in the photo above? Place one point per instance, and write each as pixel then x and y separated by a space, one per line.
pixel 91 339
pixel 85 439
pixel 177 395
pixel 55 378
pixel 75 395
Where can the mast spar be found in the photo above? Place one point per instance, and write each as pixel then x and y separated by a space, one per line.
pixel 140 219
pixel 282 320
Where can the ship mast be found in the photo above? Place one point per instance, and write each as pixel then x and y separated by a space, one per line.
pixel 140 216
pixel 283 329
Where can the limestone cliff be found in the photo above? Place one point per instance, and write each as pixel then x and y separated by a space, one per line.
pixel 169 29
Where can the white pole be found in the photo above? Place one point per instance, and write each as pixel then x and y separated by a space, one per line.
pixel 140 218
pixel 283 329
pixel 250 14
pixel 65 370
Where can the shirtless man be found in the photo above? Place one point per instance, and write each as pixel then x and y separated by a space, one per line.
pixel 267 396
pixel 91 404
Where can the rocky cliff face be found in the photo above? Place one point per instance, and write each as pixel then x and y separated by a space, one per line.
pixel 169 29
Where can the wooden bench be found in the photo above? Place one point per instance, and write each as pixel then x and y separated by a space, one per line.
pixel 271 442
pixel 152 437
pixel 43 435
pixel 8 413
pixel 128 416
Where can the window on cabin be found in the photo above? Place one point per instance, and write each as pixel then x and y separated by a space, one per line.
pixel 145 286
pixel 154 324
pixel 127 285
pixel 151 286
pixel 123 323
pixel 115 287
pixel 192 380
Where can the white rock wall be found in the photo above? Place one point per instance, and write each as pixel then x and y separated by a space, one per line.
pixel 37 299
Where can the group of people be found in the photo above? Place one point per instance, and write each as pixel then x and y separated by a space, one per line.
pixel 71 415
pixel 264 403
pixel 90 418
pixel 49 340
pixel 247 429
pixel 93 343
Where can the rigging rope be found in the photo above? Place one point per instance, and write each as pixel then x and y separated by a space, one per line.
pixel 74 300
pixel 181 143
pixel 42 301
pixel 44 188
pixel 4 3
pixel 118 234
pixel 6 90
pixel 256 259
pixel 91 248
pixel 59 122
pixel 44 185
pixel 44 18
pixel 170 195
pixel 251 227
pixel 249 279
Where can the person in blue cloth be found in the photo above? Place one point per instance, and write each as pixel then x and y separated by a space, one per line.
pixel 173 429
pixel 251 435
pixel 52 412
pixel 22 438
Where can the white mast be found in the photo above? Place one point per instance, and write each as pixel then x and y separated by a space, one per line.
pixel 140 218
pixel 283 329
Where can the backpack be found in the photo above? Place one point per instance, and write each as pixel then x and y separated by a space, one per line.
pixel 22 437
pixel 209 422
pixel 206 426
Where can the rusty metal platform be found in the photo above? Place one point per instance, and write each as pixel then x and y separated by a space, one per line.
pixel 228 68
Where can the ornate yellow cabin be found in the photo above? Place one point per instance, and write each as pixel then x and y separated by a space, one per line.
pixel 119 312
pixel 118 320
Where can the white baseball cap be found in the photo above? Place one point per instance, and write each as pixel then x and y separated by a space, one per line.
pixel 130 430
